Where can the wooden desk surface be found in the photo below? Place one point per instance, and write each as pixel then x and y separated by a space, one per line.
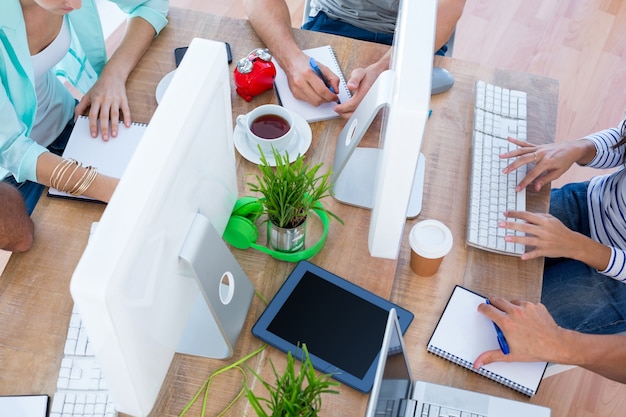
pixel 35 304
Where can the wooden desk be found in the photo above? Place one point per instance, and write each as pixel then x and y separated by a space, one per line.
pixel 35 304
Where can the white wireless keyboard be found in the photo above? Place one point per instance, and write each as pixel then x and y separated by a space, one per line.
pixel 498 114
pixel 81 389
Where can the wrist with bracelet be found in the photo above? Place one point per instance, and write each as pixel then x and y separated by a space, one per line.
pixel 62 177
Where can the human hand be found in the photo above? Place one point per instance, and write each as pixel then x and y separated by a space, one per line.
pixel 530 331
pixel 306 85
pixel 548 162
pixel 545 235
pixel 105 100
pixel 360 82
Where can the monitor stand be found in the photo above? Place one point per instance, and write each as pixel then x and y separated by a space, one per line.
pixel 355 168
pixel 355 186
pixel 224 295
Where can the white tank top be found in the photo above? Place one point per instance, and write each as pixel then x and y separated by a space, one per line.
pixel 55 104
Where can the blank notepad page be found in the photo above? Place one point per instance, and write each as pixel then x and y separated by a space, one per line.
pixel 463 333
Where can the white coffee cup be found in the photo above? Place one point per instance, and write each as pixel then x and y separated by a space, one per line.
pixel 430 241
pixel 269 126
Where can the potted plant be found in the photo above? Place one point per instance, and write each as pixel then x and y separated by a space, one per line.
pixel 294 394
pixel 290 192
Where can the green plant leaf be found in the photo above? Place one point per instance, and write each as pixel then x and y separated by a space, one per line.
pixel 295 393
pixel 290 190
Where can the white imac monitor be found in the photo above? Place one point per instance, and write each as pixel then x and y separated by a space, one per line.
pixel 156 277
pixel 389 179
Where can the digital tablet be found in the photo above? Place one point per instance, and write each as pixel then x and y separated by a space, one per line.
pixel 341 324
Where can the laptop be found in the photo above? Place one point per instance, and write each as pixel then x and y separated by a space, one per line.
pixel 396 394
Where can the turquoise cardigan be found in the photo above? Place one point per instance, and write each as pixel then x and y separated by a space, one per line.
pixel 81 67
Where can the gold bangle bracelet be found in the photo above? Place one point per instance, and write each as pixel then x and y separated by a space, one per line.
pixel 59 171
pixel 54 172
pixel 93 173
pixel 78 182
pixel 85 182
pixel 70 176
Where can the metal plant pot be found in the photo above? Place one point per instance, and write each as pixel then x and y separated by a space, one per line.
pixel 286 239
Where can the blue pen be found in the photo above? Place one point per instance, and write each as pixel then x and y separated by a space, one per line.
pixel 504 346
pixel 316 68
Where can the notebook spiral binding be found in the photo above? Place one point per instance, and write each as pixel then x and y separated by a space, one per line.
pixel 339 72
pixel 82 116
pixel 482 371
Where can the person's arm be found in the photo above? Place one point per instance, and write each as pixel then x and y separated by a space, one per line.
pixel 550 161
pixel 599 354
pixel 16 227
pixel 51 166
pixel 108 97
pixel 547 236
pixel 362 79
pixel 533 335
pixel 272 23
pixel 448 14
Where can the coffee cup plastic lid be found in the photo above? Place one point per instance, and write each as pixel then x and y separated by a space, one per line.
pixel 430 239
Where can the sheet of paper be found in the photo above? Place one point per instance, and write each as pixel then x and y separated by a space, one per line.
pixel 23 406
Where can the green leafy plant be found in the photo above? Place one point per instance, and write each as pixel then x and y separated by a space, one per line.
pixel 290 190
pixel 294 394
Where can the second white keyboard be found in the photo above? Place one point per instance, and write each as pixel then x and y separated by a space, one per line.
pixel 81 389
pixel 498 114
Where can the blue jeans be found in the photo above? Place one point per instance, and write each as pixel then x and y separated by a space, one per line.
pixel 322 23
pixel 31 191
pixel 577 296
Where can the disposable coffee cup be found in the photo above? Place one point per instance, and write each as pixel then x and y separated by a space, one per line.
pixel 269 126
pixel 430 242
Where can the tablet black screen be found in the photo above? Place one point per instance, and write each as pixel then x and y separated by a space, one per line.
pixel 336 325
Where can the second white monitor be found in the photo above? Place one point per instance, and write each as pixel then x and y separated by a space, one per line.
pixel 385 178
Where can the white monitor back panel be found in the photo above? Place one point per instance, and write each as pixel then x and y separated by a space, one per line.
pixel 393 169
pixel 129 286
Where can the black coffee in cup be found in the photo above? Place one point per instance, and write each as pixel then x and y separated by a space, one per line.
pixel 269 126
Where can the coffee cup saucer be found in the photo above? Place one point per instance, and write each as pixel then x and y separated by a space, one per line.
pixel 298 146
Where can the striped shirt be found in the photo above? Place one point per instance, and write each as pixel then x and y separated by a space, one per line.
pixel 606 200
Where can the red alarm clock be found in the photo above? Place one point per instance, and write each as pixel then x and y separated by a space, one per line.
pixel 254 74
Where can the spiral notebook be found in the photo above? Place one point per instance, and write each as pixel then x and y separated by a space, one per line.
pixel 324 55
pixel 463 333
pixel 110 157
